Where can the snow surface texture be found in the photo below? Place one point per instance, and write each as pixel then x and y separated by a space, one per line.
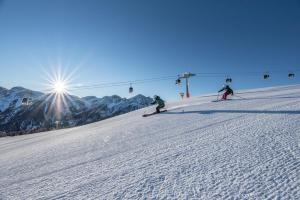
pixel 239 149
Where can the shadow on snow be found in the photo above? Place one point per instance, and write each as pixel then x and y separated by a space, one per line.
pixel 238 111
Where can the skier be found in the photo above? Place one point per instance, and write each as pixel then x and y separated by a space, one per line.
pixel 159 101
pixel 227 92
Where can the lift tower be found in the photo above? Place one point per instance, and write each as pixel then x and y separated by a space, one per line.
pixel 185 76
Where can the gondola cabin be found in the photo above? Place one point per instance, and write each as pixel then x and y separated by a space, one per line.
pixel 178 81
pixel 228 80
pixel 130 89
pixel 266 76
pixel 26 101
pixel 291 75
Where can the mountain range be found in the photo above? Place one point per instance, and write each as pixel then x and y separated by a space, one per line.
pixel 24 111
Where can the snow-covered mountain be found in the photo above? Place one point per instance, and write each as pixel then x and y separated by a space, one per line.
pixel 245 148
pixel 47 111
pixel 13 98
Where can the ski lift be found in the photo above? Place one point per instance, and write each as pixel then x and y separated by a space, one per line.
pixel 181 94
pixel 130 89
pixel 228 80
pixel 178 81
pixel 291 75
pixel 266 76
pixel 26 101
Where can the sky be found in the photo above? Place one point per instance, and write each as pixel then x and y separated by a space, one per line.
pixel 103 41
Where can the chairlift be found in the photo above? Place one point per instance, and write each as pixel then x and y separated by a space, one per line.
pixel 291 75
pixel 228 80
pixel 178 81
pixel 130 89
pixel 266 76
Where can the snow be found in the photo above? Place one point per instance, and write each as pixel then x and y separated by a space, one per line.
pixel 245 148
pixel 14 97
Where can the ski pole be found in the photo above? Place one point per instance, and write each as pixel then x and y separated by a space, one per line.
pixel 239 96
pixel 218 96
pixel 148 109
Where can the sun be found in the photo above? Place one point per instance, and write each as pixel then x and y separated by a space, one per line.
pixel 59 87
pixel 58 83
pixel 58 90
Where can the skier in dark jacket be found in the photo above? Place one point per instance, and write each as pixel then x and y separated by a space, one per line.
pixel 227 92
pixel 159 101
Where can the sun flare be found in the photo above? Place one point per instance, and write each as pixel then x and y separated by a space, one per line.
pixel 58 83
pixel 60 87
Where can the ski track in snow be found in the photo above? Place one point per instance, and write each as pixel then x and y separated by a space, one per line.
pixel 239 149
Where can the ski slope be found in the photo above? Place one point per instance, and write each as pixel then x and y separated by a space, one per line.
pixel 245 148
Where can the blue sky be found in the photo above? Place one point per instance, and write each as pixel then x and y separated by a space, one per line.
pixel 112 41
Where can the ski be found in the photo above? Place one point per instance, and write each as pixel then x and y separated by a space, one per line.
pixel 154 113
pixel 220 100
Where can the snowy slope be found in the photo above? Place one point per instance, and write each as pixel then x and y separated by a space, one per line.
pixel 239 149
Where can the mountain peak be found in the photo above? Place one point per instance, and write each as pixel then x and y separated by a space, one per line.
pixel 19 88
pixel 3 89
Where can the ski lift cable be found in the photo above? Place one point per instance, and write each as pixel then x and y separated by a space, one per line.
pixel 125 83
pixel 142 81
pixel 249 73
pixel 132 81
pixel 113 84
pixel 165 78
pixel 117 84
